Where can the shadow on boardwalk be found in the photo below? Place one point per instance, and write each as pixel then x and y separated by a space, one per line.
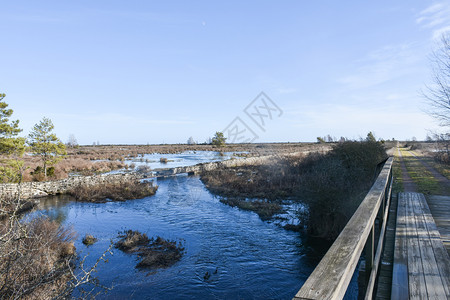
pixel 439 204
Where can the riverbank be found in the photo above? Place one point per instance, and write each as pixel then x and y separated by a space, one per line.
pixel 330 184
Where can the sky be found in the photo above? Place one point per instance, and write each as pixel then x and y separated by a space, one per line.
pixel 139 72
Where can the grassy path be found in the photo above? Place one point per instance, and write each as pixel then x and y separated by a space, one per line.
pixel 401 174
pixel 417 173
pixel 426 179
pixel 442 173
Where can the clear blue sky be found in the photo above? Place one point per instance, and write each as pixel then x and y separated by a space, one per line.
pixel 162 71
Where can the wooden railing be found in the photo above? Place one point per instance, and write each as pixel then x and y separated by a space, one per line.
pixel 332 275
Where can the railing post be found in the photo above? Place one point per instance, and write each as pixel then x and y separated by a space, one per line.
pixel 370 243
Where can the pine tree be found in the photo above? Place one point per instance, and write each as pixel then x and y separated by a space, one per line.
pixel 371 137
pixel 218 139
pixel 46 144
pixel 12 147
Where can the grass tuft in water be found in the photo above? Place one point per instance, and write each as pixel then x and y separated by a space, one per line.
pixel 153 253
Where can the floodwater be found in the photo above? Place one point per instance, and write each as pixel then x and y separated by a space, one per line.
pixel 246 258
pixel 184 159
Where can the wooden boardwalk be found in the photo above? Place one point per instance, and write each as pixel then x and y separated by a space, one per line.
pixel 440 210
pixel 421 263
pixel 411 261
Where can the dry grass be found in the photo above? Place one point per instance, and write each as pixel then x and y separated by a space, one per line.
pixel 153 253
pixel 125 190
pixel 90 160
pixel 274 180
pixel 67 166
pixel 89 240
pixel 332 185
pixel 35 258
pixel 436 163
pixel 118 152
pixel 264 209
pixel 86 167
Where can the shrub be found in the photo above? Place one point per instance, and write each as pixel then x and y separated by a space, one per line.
pixel 272 181
pixel 334 184
pixel 38 174
pixel 38 170
pixel 51 172
pixel 219 139
pixel 416 146
pixel 143 169
pixel 35 259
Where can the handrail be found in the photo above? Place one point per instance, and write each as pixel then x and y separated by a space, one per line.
pixel 331 277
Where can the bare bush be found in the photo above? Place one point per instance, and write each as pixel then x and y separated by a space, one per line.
pixel 35 258
pixel 442 148
pixel 120 191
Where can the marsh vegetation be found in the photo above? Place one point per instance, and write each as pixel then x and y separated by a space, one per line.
pixel 153 253
pixel 331 185
pixel 119 191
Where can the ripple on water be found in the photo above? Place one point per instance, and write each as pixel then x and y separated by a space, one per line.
pixel 245 257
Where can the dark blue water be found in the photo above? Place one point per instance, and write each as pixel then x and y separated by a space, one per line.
pixel 254 259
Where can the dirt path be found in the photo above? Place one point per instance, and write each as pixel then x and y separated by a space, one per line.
pixel 408 183
pixel 444 183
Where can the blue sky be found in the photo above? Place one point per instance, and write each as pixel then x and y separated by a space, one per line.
pixel 161 71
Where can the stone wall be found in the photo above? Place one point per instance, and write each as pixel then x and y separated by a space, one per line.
pixel 213 165
pixel 30 190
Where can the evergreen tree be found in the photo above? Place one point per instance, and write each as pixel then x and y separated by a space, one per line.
pixel 12 147
pixel 371 137
pixel 46 144
pixel 218 139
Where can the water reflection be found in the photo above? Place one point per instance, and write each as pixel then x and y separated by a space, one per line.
pixel 55 207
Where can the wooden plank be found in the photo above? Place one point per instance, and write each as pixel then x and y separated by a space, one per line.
pixel 331 277
pixel 433 282
pixel 400 269
pixel 440 210
pixel 441 255
pixel 416 280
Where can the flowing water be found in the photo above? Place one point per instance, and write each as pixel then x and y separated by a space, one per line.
pixel 245 257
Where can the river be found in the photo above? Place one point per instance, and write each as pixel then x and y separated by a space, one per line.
pixel 246 257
